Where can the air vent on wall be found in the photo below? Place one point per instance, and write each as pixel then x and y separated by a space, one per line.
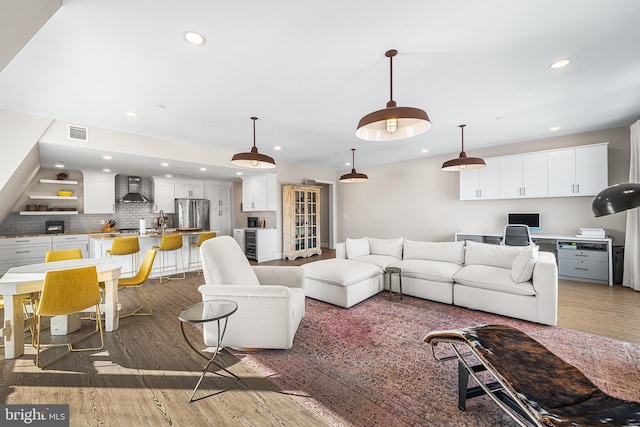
pixel 78 133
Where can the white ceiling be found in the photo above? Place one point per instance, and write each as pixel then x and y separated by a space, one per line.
pixel 309 70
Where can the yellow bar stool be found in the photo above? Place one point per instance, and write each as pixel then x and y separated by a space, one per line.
pixel 202 238
pixel 170 242
pixel 124 246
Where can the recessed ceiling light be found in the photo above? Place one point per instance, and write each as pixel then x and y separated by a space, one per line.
pixel 203 169
pixel 164 164
pixel 555 128
pixel 194 38
pixel 347 164
pixel 425 150
pixel 560 63
pixel 169 176
pixel 106 170
pixel 106 157
pixel 238 173
pixel 131 114
pixel 59 165
pixel 277 148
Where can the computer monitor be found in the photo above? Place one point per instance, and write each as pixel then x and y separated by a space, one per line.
pixel 530 219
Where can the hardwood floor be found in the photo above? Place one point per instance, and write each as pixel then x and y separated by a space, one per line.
pixel 146 372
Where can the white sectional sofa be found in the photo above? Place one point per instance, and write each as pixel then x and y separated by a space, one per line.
pixel 519 282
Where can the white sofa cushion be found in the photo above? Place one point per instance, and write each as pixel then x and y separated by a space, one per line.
pixel 390 247
pixel 340 272
pixel 357 247
pixel 381 261
pixel 522 268
pixel 493 278
pixel 435 251
pixel 491 255
pixel 435 271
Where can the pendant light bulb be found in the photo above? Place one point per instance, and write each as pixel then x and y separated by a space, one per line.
pixel 393 122
pixel 392 125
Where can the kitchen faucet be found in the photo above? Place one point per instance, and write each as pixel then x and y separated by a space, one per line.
pixel 163 225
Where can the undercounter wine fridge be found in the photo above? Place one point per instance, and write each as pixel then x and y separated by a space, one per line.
pixel 191 213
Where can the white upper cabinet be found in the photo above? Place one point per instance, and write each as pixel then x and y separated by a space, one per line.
pixel 579 171
pixel 523 176
pixel 163 195
pixel 189 190
pixel 99 192
pixel 575 171
pixel 259 193
pixel 481 183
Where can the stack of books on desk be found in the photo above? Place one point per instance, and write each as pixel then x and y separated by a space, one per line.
pixel 592 232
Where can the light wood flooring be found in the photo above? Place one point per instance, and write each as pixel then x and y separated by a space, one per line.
pixel 146 372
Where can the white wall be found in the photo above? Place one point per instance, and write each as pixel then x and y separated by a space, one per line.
pixel 418 201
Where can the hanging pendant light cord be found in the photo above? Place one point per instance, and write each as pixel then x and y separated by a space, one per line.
pixel 254 130
pixel 391 78
pixel 462 131
pixel 353 159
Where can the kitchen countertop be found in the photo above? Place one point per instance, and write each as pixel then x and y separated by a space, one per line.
pixel 104 235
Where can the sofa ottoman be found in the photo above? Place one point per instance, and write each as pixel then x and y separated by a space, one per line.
pixel 342 282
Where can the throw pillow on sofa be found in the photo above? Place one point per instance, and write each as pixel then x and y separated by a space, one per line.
pixel 522 268
pixel 357 247
pixel 493 255
pixel 390 247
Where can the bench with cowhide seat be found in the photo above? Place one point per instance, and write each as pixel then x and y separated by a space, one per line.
pixel 530 383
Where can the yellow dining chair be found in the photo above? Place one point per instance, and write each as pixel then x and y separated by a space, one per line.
pixel 123 246
pixel 201 238
pixel 66 292
pixel 136 283
pixel 63 254
pixel 171 242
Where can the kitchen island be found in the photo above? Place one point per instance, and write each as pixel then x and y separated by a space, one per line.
pixel 99 243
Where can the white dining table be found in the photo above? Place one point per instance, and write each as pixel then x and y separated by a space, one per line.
pixel 30 278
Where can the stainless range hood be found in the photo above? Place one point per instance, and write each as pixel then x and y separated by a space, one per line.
pixel 134 195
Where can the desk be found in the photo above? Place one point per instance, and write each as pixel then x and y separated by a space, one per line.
pixel 29 278
pixel 594 254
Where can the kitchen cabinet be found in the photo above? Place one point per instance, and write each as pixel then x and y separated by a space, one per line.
pixel 163 195
pixel 259 193
pixel 578 171
pixel 219 196
pixel 18 251
pixel 189 190
pixel 300 221
pixel 481 183
pixel 99 192
pixel 523 176
pixel 71 241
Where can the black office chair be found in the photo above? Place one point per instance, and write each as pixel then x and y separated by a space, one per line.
pixel 516 235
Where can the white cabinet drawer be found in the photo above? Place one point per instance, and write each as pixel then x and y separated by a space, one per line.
pixel 30 252
pixel 583 255
pixel 594 270
pixel 13 241
pixel 63 238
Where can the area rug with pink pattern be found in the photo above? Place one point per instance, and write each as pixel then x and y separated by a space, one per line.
pixel 368 365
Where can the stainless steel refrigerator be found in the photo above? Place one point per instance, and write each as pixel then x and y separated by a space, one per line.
pixel 191 213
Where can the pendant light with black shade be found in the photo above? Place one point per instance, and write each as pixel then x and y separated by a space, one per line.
pixel 253 159
pixel 353 177
pixel 463 162
pixel 393 122
pixel 616 198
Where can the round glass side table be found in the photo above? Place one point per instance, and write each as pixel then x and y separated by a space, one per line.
pixel 202 312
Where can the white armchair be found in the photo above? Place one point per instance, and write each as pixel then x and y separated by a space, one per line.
pixel 271 299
